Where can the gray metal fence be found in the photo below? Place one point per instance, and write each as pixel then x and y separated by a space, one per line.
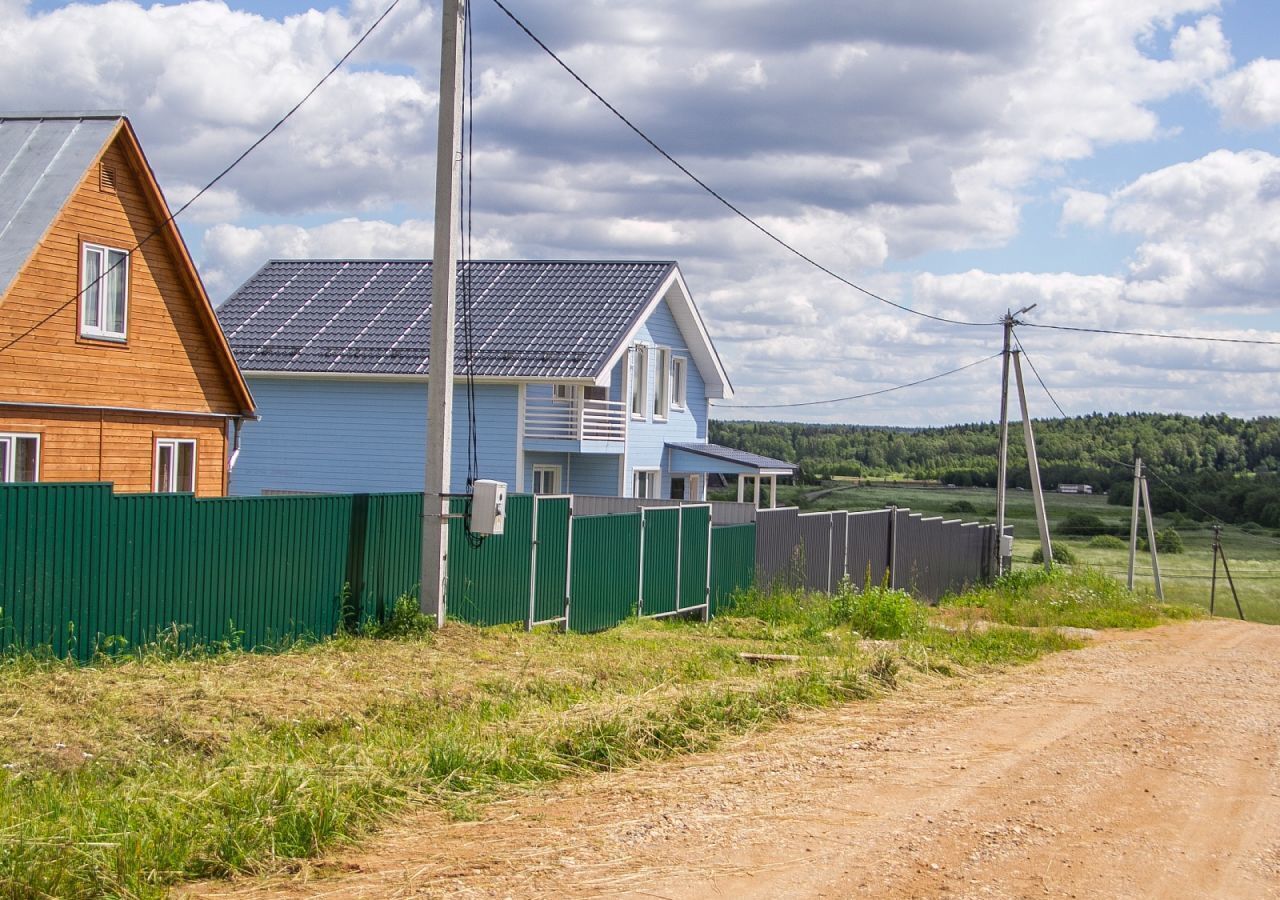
pixel 723 512
pixel 928 557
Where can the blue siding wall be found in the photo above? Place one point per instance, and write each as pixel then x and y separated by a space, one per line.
pixel 580 473
pixel 351 435
pixel 647 438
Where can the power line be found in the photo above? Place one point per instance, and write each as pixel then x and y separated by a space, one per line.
pixel 1154 334
pixel 716 194
pixel 887 390
pixel 200 193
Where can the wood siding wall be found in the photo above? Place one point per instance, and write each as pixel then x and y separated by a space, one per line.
pixel 168 361
pixel 90 445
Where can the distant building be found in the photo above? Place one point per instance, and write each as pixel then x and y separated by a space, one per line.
pixel 1075 489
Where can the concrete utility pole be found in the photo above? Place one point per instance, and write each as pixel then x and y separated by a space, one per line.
pixel 1133 518
pixel 444 272
pixel 1033 467
pixel 1002 466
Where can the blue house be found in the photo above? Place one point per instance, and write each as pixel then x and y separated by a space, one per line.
pixel 589 377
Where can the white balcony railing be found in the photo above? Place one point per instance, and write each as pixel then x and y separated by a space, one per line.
pixel 547 418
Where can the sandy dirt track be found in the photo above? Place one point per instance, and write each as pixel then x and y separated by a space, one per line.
pixel 1146 765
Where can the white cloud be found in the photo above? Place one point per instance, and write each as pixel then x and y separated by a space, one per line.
pixel 1083 208
pixel 1250 97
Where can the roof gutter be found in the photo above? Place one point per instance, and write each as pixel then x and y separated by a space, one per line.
pixel 77 407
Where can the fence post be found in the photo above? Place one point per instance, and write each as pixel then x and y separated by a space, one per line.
pixel 568 570
pixel 831 531
pixel 640 590
pixel 893 546
pixel 533 568
pixel 679 550
pixel 357 538
pixel 706 596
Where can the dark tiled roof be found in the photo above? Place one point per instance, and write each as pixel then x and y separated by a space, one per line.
pixel 731 455
pixel 547 319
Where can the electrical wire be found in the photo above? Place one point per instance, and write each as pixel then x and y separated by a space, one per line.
pixel 217 178
pixel 790 248
pixel 896 387
pixel 1153 334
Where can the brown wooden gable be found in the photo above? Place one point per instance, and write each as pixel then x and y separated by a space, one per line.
pixel 175 357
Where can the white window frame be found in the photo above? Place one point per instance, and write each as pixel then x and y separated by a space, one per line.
pixel 662 384
pixel 680 382
pixel 564 391
pixel 653 483
pixel 93 293
pixel 639 402
pixel 554 471
pixel 9 470
pixel 174 445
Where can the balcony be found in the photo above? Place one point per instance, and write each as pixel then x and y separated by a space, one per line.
pixel 589 425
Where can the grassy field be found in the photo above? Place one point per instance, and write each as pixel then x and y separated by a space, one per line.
pixel 123 778
pixel 1254 558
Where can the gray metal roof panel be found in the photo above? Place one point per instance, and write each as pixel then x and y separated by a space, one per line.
pixel 42 160
pixel 543 319
pixel 733 455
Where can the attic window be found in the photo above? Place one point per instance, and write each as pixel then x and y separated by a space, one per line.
pixel 106 178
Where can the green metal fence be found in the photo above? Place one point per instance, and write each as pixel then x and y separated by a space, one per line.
pixel 83 569
pixel 733 563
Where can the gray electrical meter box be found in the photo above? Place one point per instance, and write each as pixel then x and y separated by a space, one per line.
pixel 488 506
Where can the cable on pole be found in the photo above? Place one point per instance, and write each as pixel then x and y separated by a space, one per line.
pixel 1154 334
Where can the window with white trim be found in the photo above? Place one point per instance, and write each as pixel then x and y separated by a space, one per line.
pixel 645 484
pixel 662 384
pixel 175 466
pixel 104 292
pixel 563 391
pixel 19 457
pixel 639 381
pixel 679 381
pixel 546 479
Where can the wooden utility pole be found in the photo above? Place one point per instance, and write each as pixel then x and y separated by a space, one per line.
pixel 1151 540
pixel 444 271
pixel 1033 467
pixel 1213 585
pixel 1141 498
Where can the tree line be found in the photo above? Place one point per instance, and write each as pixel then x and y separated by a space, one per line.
pixel 1231 464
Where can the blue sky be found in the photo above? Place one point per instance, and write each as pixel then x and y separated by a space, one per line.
pixel 1115 164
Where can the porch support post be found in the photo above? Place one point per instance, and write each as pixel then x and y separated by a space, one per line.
pixel 756 495
pixel 773 491
pixel 741 479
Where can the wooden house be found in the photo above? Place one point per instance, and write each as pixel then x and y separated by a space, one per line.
pixel 112 363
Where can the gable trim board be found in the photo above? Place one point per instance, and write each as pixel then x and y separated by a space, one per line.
pixel 40 219
pixel 701 350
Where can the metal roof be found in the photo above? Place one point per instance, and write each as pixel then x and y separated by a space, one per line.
pixel 43 157
pixel 534 319
pixel 734 456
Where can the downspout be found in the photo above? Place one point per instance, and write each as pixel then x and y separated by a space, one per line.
pixel 236 423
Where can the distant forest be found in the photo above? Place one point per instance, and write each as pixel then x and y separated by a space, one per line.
pixel 1222 463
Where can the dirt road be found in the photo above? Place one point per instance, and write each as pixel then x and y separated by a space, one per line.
pixel 1146 765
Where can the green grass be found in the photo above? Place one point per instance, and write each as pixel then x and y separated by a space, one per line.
pixel 1254 557
pixel 1077 597
pixel 124 778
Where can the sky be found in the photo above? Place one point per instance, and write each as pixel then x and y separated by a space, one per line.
pixel 1116 164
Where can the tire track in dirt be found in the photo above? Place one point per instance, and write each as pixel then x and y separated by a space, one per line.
pixel 1145 765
